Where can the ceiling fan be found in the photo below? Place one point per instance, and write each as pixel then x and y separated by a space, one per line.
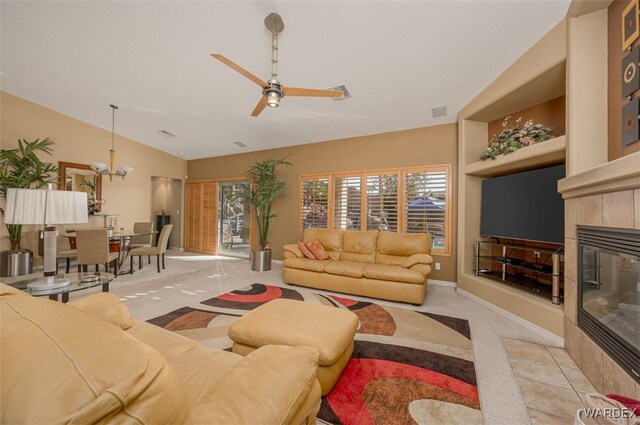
pixel 273 90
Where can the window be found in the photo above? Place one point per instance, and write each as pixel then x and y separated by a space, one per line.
pixel 410 200
pixel 382 202
pixel 315 202
pixel 425 204
pixel 347 202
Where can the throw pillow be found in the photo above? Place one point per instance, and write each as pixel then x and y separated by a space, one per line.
pixel 318 250
pixel 306 251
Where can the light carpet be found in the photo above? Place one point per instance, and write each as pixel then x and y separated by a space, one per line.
pixel 407 367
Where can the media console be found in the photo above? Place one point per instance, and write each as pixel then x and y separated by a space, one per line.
pixel 534 268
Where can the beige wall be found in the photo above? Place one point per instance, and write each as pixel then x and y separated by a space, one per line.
pixel 166 194
pixel 423 146
pixel 80 142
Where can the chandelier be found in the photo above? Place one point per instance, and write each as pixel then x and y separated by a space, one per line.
pixel 100 167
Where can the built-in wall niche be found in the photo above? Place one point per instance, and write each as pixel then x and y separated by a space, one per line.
pixel 550 113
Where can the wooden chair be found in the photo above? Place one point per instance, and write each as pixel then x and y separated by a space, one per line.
pixel 157 250
pixel 93 248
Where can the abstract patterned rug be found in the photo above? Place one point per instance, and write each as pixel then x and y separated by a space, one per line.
pixel 407 367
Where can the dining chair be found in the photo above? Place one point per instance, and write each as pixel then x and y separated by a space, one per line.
pixel 64 250
pixel 93 248
pixel 158 250
pixel 143 240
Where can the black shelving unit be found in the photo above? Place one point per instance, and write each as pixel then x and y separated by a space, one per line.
pixel 161 221
pixel 544 276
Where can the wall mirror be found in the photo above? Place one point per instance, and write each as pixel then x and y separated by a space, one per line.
pixel 81 177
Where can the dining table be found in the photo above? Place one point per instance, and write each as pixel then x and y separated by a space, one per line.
pixel 119 241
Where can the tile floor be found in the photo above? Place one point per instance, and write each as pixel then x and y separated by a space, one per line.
pixel 551 384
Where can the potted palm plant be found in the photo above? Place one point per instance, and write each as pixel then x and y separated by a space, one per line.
pixel 21 168
pixel 263 188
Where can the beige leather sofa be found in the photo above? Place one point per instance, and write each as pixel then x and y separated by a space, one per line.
pixel 89 362
pixel 386 265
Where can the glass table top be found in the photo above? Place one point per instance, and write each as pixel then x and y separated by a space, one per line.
pixel 79 281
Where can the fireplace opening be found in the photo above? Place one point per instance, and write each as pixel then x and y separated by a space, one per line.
pixel 609 295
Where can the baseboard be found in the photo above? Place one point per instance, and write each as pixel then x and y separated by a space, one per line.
pixel 277 261
pixel 557 340
pixel 441 283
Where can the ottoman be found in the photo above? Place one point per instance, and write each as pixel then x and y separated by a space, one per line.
pixel 295 323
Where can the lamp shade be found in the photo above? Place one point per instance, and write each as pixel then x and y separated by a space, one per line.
pixel 34 206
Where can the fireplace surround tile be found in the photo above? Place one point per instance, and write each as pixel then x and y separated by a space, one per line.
pixel 534 370
pixel 615 209
pixel 570 259
pixel 572 341
pixel 548 398
pixel 527 350
pixel 636 208
pixel 538 417
pixel 591 210
pixel 571 210
pixel 570 299
pixel 615 380
pixel 591 360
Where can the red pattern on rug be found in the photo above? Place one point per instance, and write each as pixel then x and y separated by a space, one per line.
pixel 347 399
pixel 270 293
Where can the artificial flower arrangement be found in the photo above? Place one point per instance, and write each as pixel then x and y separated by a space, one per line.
pixel 516 136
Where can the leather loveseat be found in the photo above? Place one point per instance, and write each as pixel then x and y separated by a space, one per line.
pixel 89 362
pixel 386 265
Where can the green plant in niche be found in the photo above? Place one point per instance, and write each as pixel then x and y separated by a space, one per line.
pixel 21 168
pixel 516 136
pixel 263 189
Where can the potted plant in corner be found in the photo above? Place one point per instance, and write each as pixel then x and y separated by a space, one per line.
pixel 21 168
pixel 263 188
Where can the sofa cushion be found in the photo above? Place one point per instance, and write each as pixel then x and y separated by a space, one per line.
pixel 359 246
pixel 306 264
pixel 246 395
pixel 60 365
pixel 393 248
pixel 307 253
pixel 199 367
pixel 317 250
pixel 331 240
pixel 393 273
pixel 345 268
pixel 106 306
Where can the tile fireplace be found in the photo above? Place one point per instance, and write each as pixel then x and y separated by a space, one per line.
pixel 609 292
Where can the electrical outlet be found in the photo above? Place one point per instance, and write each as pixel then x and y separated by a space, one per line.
pixel 536 254
pixel 437 266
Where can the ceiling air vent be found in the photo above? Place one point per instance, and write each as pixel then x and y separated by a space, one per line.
pixel 167 133
pixel 242 145
pixel 439 111
pixel 343 89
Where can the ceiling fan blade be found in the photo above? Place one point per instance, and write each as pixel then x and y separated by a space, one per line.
pixel 241 70
pixel 296 91
pixel 260 106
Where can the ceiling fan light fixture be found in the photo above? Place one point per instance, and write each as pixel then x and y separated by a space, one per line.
pixel 273 99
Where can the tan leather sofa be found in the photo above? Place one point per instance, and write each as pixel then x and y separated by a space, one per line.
pixel 386 265
pixel 89 362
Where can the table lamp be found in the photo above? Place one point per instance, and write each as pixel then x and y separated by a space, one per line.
pixel 47 207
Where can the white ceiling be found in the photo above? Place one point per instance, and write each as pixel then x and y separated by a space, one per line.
pixel 151 58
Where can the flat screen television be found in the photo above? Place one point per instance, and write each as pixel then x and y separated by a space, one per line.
pixel 524 206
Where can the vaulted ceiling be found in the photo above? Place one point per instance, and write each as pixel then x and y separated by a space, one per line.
pixel 398 59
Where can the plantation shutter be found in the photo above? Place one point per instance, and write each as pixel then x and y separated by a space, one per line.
pixel 382 202
pixel 425 206
pixel 347 201
pixel 314 202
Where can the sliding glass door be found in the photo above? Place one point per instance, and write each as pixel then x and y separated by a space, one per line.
pixel 234 225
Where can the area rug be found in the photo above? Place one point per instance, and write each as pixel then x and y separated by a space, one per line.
pixel 407 366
